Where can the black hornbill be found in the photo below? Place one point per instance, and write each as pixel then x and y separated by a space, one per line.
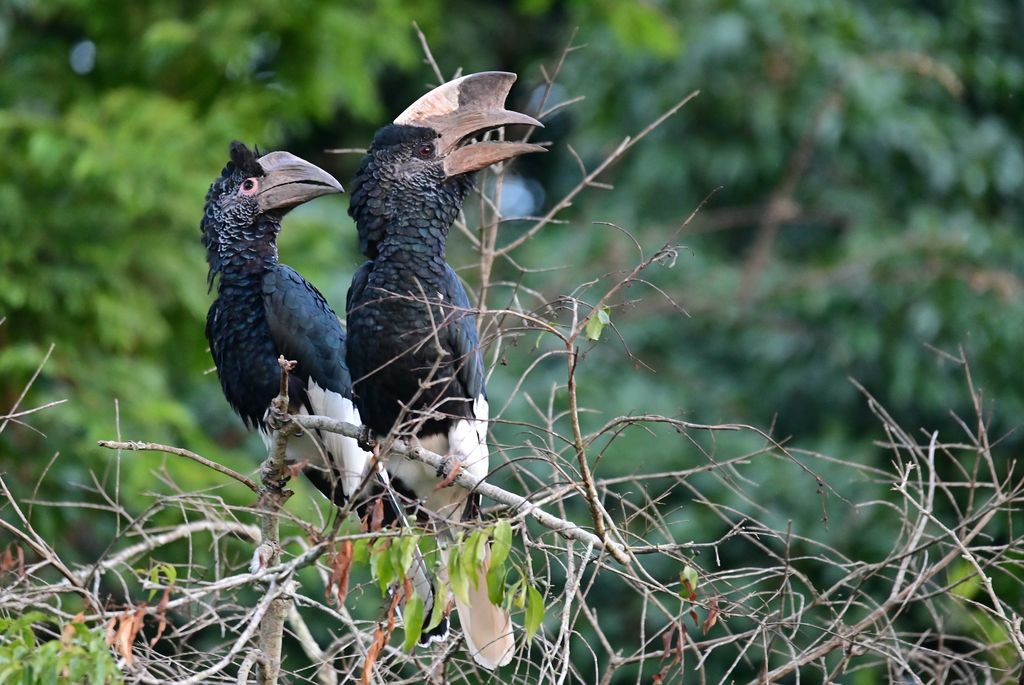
pixel 265 309
pixel 413 345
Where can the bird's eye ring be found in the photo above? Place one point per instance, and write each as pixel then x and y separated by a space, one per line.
pixel 426 151
pixel 249 186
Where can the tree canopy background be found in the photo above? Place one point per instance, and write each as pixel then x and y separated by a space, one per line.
pixel 864 163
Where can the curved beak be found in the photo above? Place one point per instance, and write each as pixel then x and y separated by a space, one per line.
pixel 289 181
pixel 463 108
pixel 474 157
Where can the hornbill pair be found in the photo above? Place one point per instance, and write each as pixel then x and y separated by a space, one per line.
pixel 412 345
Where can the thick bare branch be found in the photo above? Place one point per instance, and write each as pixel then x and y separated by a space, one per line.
pixel 274 476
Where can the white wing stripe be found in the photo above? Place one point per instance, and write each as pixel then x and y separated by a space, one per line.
pixel 350 460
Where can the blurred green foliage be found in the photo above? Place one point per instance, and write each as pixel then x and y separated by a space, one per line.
pixel 78 657
pixel 886 139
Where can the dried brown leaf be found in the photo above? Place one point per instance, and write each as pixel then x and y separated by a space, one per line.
pixel 371 655
pixel 712 617
pixel 67 635
pixel 377 515
pixel 381 635
pixel 295 469
pixel 110 634
pixel 680 630
pixel 341 564
pixel 129 625
pixel 13 559
pixel 666 640
pixel 161 615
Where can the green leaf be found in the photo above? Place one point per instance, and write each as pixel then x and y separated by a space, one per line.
pixel 534 612
pixel 471 554
pixel 457 576
pixel 480 548
pixel 597 323
pixel 440 600
pixel 78 656
pixel 545 330
pixel 402 551
pixel 502 543
pixel 496 585
pixel 413 621
pixel 99 675
pixel 361 551
pixel 518 593
pixel 380 564
pixel 167 571
pixel 479 552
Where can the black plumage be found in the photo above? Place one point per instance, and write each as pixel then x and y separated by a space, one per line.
pixel 265 309
pixel 414 349
pixel 403 223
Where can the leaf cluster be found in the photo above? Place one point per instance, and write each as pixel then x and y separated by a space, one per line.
pixel 78 656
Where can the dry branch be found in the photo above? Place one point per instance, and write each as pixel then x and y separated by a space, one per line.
pixel 274 476
pixel 589 179
pixel 521 506
pixel 136 446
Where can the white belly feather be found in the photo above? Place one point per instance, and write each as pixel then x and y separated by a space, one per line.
pixel 466 441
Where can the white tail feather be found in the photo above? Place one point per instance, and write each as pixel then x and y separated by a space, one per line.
pixel 487 628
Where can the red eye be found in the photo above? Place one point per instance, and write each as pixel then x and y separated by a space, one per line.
pixel 426 151
pixel 249 186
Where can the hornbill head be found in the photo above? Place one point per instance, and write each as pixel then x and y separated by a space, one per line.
pixel 460 110
pixel 246 204
pixel 430 151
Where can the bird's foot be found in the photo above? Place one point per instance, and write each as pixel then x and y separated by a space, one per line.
pixel 448 471
pixel 273 477
pixel 276 417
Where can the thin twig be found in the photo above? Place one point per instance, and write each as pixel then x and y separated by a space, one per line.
pixel 587 181
pixel 28 386
pixel 136 446
pixel 428 56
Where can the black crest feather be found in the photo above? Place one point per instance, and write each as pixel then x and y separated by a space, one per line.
pixel 246 160
pixel 400 134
